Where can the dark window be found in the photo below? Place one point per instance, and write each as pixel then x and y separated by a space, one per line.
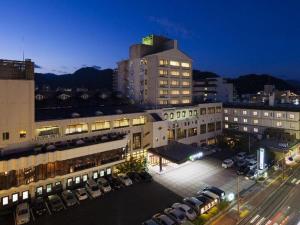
pixel 5 136
pixel 203 111
pixel 218 125
pixel 137 141
pixel 202 128
pixel 211 127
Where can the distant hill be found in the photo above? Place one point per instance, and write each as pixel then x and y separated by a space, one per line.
pixel 87 77
pixel 198 75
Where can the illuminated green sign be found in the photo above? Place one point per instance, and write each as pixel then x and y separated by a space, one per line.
pixel 148 40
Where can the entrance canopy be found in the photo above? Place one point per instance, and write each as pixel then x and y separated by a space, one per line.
pixel 176 152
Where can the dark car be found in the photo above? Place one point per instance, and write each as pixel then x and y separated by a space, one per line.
pixel 114 182
pixel 38 206
pixel 243 170
pixel 145 176
pixel 55 203
pixel 216 191
pixel 134 176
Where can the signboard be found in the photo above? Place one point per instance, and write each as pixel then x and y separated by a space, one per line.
pixel 261 158
pixel 148 40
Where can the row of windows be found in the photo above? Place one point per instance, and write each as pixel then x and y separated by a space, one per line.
pixel 173 73
pixel 164 62
pixel 174 101
pixel 5 135
pixel 173 83
pixel 174 92
pixel 265 114
pixel 183 114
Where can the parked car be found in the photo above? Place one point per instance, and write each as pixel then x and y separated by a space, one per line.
pixel 69 198
pixel 227 163
pixel 241 162
pixel 194 203
pixel 22 214
pixel 125 180
pixel 164 219
pixel 252 174
pixel 114 182
pixel 92 188
pixel 145 176
pixel 189 212
pixel 38 206
pixel 55 203
pixel 216 191
pixel 104 185
pixel 251 157
pixel 242 170
pixel 150 222
pixel 81 194
pixel 252 164
pixel 240 156
pixel 176 215
pixel 134 176
pixel 211 195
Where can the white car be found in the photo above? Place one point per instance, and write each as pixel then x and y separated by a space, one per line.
pixel 22 214
pixel 81 194
pixel 104 185
pixel 227 163
pixel 189 212
pixel 125 180
pixel 92 188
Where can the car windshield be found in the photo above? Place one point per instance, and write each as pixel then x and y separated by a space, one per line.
pixel 23 211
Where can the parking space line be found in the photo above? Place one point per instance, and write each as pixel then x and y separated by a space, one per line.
pixel 32 215
pixel 48 208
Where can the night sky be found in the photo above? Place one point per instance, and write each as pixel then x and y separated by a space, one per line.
pixel 227 37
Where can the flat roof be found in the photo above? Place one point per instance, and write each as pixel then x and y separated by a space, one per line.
pixel 283 107
pixel 60 113
pixel 175 152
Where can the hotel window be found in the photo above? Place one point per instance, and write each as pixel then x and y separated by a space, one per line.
pixel 5 136
pixel 95 175
pixel 25 195
pixel 163 102
pixel 166 116
pixel 279 124
pixel 211 110
pixel 225 110
pixel 174 73
pixel 23 134
pixel 190 112
pixel 244 112
pixel 15 197
pixel 47 131
pixel 245 128
pixel 163 62
pixel 255 113
pixel 69 182
pixel 291 116
pixel 226 118
pixel 178 114
pixel 175 83
pixel 255 121
pixel 226 125
pixel 100 125
pixel 266 114
pixel 183 113
pixel 77 180
pixel 185 101
pixel 174 63
pixel 163 82
pixel 48 188
pixel 185 83
pixel 163 92
pixel 138 121
pixel 203 111
pixel 255 129
pixel 278 115
pixel 85 178
pixel 121 123
pixel 39 190
pixel 163 72
pixel 171 115
pixel 185 65
pixel 211 127
pixel 195 112
pixel 218 125
pixel 202 128
pixel 185 92
pixel 136 141
pixel 218 109
pixel 192 132
pixel 175 92
pixel 245 120
pixel 186 74
pixel 174 101
pixel 5 201
pixel 235 119
pixel 76 128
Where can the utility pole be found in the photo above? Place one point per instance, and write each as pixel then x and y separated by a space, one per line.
pixel 238 198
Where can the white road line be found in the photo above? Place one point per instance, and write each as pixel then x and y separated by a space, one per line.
pixel 48 208
pixel 261 221
pixel 255 218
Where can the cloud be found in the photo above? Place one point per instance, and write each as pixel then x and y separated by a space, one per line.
pixel 36 66
pixel 171 27
pixel 59 71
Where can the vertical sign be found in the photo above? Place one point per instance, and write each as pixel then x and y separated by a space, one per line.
pixel 261 158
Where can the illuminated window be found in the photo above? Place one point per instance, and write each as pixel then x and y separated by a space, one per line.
pixel 77 180
pixel 48 188
pixel 245 128
pixel 39 190
pixel 174 63
pixel 47 131
pixel 185 83
pixel 186 92
pixel 174 73
pixel 291 116
pixel 102 173
pixel 266 114
pixel 95 175
pixel 15 197
pixel 225 111
pixel 245 120
pixel 121 123
pixel 166 116
pixel 255 121
pixel 100 125
pixel 255 129
pixel 69 182
pixel 174 101
pixel 175 92
pixel 174 82
pixel 76 128
pixel 255 113
pixel 163 92
pixel 25 195
pixel 163 62
pixel 138 121
pixel 84 177
pixel 183 113
pixel 244 112
pixel 108 171
pixel 226 125
pixel 163 82
pixel 278 115
pixel 235 119
pixel 163 102
pixel 218 109
pixel 171 115
pixel 185 101
pixel 163 72
pixel 23 134
pixel 226 118
pixel 279 124
pixel 178 114
pixel 185 65
pixel 186 74
pixel 5 200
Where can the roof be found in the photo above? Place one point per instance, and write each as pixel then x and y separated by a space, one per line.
pixel 175 152
pixel 59 113
pixel 282 107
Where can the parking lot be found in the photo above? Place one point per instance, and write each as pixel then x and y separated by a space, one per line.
pixel 189 178
pixel 127 206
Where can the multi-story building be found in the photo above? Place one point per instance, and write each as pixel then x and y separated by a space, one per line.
pixel 47 149
pixel 156 73
pixel 212 89
pixel 257 118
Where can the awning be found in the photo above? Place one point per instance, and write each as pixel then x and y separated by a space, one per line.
pixel 175 152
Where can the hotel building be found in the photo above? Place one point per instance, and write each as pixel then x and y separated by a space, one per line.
pixel 49 149
pixel 156 73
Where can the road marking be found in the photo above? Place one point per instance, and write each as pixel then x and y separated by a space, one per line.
pixel 255 218
pixel 32 215
pixel 261 221
pixel 48 209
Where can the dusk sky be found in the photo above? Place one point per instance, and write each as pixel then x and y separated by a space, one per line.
pixel 227 37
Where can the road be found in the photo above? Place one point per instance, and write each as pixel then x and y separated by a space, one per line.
pixel 282 206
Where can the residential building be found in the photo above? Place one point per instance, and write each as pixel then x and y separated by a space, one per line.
pixel 156 73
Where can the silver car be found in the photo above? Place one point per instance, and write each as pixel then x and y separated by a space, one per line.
pixel 69 198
